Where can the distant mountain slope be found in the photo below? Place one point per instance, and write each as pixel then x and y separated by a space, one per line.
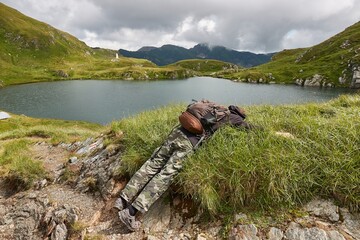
pixel 22 36
pixel 32 51
pixel 334 62
pixel 169 54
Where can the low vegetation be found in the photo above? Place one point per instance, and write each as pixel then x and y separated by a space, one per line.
pixel 19 133
pixel 206 67
pixel 260 170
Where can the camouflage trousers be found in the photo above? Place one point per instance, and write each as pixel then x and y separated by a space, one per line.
pixel 158 172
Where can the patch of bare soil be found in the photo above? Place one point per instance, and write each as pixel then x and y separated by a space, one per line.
pixel 52 157
pixel 88 207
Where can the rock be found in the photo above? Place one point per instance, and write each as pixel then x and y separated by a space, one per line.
pixel 355 83
pixel 202 236
pixel 157 219
pixel 324 209
pixel 345 44
pixel 72 160
pixel 150 237
pixel 62 74
pixel 97 169
pixel 335 235
pixel 315 234
pixel 41 184
pixel 244 232
pixel 342 80
pixel 240 217
pixel 316 81
pixel 351 222
pixel 22 219
pixel 60 232
pixel 294 232
pixel 214 231
pixel 275 234
pixel 4 115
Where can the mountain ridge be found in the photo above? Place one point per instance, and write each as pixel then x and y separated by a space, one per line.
pixel 169 54
pixel 334 62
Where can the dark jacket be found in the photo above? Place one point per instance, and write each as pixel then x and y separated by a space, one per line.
pixel 236 119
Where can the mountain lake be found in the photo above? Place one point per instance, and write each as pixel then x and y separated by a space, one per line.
pixel 102 101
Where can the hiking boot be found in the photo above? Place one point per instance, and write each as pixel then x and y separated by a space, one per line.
pixel 120 204
pixel 129 221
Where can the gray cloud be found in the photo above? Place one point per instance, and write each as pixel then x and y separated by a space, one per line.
pixel 257 25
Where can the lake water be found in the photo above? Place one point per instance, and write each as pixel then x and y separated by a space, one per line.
pixel 102 101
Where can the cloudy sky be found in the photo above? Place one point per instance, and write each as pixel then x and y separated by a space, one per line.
pixel 252 25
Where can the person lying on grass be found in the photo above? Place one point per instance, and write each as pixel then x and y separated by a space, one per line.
pixel 198 122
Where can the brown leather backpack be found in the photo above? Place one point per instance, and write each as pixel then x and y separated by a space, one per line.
pixel 201 116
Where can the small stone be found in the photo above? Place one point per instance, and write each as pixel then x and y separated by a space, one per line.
pixel 335 235
pixel 32 195
pixel 150 237
pixel 240 217
pixel 244 232
pixel 351 222
pixel 201 236
pixel 60 232
pixel 315 234
pixel 323 208
pixel 275 234
pixel 294 232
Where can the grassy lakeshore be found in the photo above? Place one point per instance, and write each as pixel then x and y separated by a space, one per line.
pixel 19 133
pixel 235 170
pixel 259 170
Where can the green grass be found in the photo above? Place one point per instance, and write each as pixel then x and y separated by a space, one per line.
pixel 17 166
pixel 259 170
pixel 143 133
pixel 19 133
pixel 206 66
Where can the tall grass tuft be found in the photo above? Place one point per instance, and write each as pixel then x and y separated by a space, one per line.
pixel 18 167
pixel 237 169
pixel 143 133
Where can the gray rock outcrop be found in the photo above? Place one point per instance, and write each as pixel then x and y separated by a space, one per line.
pixel 355 83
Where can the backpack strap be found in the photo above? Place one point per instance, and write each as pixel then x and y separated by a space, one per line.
pixel 202 139
pixel 238 111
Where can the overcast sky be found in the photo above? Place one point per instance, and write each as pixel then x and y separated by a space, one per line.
pixel 252 25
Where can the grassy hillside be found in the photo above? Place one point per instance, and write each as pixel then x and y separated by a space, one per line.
pixel 34 51
pixel 332 59
pixel 206 67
